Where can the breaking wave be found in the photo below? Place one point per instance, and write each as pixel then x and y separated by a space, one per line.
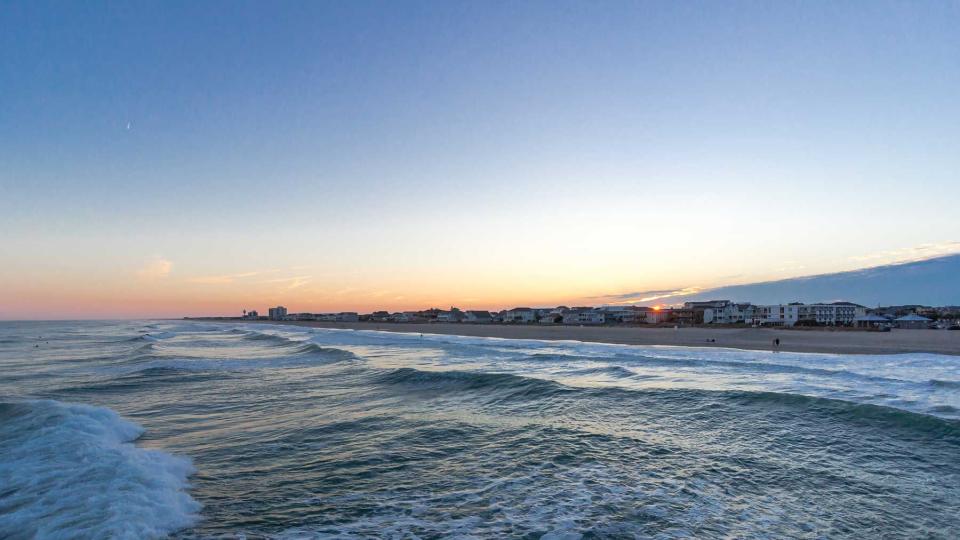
pixel 73 471
pixel 502 386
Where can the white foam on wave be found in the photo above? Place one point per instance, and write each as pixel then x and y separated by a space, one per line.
pixel 72 471
pixel 236 365
pixel 548 502
pixel 917 382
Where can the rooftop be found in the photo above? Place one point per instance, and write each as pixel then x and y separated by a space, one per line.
pixel 912 317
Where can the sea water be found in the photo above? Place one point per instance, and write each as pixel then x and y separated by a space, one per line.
pixel 150 429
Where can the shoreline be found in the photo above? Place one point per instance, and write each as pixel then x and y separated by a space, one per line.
pixel 897 341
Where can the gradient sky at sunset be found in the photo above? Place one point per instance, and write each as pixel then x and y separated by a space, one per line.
pixel 184 158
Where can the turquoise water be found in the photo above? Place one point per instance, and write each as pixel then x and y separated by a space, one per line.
pixel 149 429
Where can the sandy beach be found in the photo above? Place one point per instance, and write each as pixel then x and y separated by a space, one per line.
pixel 816 340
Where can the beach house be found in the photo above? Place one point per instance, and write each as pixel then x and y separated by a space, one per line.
pixel 620 314
pixel 731 313
pixel 871 320
pixel 551 316
pixel 656 316
pixel 584 315
pixel 477 317
pixel 520 315
pixel 454 315
pixel 913 322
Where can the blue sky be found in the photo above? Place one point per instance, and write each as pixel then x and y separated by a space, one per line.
pixel 569 149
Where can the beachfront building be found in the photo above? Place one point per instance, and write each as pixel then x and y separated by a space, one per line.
pixel 731 313
pixel 913 322
pixel 551 315
pixel 621 314
pixel 696 312
pixel 278 313
pixel 776 315
pixel 347 316
pixel 519 315
pixel 714 304
pixel 656 315
pixel 641 314
pixel 452 316
pixel 584 315
pixel 413 316
pixel 477 317
pixel 871 320
pixel 686 316
pixel 833 314
pixel 796 313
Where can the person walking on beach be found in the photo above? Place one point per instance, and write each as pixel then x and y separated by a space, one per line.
pixel 776 344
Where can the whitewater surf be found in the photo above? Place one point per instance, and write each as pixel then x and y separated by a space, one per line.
pixel 151 429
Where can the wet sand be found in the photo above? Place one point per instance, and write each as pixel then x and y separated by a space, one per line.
pixel 807 340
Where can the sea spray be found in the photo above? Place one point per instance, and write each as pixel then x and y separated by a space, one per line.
pixel 69 471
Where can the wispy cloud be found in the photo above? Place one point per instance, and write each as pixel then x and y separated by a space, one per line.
pixel 639 297
pixel 909 254
pixel 224 279
pixel 291 282
pixel 155 268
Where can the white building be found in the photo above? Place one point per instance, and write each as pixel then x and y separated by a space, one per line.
pixel 584 316
pixel 731 313
pixel 278 313
pixel 520 315
pixel 775 315
pixel 833 314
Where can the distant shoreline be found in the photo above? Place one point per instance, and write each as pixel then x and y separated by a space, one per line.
pixel 896 341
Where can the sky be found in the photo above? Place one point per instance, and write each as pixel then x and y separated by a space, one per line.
pixel 162 159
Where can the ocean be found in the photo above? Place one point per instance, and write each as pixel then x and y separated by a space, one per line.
pixel 149 429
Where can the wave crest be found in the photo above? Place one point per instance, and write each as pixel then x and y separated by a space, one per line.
pixel 497 385
pixel 72 470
